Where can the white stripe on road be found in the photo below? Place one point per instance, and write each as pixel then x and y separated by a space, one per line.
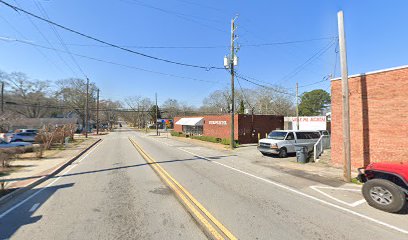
pixel 353 204
pixel 304 194
pixel 34 207
pixel 42 189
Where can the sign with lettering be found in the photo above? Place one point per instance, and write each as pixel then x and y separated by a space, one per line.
pixel 217 122
pixel 307 123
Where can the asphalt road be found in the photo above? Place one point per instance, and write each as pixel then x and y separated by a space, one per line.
pixel 110 194
pixel 113 194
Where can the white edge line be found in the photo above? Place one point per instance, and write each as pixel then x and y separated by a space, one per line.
pixel 359 202
pixel 34 207
pixel 353 204
pixel 338 188
pixel 308 196
pixel 42 189
pixel 329 196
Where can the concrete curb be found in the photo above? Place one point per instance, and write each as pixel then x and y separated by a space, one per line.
pixel 40 180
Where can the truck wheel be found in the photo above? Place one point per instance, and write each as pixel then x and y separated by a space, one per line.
pixel 384 195
pixel 283 153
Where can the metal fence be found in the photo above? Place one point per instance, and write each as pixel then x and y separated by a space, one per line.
pixel 322 144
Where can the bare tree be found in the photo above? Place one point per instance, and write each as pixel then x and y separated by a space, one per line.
pixel 139 110
pixel 29 98
pixel 71 93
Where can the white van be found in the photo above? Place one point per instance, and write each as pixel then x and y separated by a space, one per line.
pixel 282 142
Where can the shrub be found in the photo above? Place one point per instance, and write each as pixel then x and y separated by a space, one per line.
pixel 207 138
pixel 175 134
pixel 226 141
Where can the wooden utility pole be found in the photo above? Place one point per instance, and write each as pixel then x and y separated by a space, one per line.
pixel 87 108
pixel 97 111
pixel 297 105
pixel 231 62
pixel 157 127
pixel 2 97
pixel 345 95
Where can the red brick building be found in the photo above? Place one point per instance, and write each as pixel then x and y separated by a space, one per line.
pixel 378 117
pixel 247 127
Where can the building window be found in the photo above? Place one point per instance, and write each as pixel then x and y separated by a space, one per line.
pixel 192 130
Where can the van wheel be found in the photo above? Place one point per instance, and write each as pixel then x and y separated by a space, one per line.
pixel 283 153
pixel 384 195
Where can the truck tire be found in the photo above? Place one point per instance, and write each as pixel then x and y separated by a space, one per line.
pixel 384 195
pixel 283 153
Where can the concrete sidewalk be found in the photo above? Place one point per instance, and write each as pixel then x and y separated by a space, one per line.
pixel 29 169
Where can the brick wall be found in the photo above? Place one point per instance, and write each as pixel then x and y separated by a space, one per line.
pixel 378 118
pixel 246 129
pixel 251 125
pixel 214 130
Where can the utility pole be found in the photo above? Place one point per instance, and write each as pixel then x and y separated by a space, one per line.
pixel 297 105
pixel 231 62
pixel 97 111
pixel 157 127
pixel 87 108
pixel 2 97
pixel 345 96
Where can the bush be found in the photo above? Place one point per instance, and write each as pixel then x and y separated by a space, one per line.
pixel 207 138
pixel 226 141
pixel 178 134
pixel 175 134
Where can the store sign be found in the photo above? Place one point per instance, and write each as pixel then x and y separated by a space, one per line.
pixel 217 122
pixel 308 123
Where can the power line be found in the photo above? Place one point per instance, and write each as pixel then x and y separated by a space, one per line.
pixel 205 47
pixel 243 94
pixel 106 61
pixel 286 42
pixel 38 50
pixel 183 16
pixel 44 13
pixel 108 43
pixel 325 78
pixel 260 85
pixel 308 61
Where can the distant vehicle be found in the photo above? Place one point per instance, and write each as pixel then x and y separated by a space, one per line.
pixel 23 137
pixel 385 185
pixel 4 144
pixel 282 142
pixel 26 131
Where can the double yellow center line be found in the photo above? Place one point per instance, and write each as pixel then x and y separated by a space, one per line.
pixel 211 226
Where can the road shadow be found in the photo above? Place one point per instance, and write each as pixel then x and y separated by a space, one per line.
pixel 23 215
pixel 196 158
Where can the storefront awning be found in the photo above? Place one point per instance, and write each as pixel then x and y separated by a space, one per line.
pixel 191 121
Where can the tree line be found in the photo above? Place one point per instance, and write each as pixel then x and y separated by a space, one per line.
pixel 30 98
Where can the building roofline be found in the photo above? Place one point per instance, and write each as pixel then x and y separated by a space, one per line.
pixel 373 72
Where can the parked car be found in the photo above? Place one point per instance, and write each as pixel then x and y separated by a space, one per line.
pixel 26 130
pixel 4 144
pixel 385 185
pixel 23 137
pixel 283 142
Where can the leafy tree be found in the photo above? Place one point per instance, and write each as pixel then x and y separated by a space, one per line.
pixel 312 103
pixel 241 107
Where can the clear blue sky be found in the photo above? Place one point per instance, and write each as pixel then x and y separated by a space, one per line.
pixel 376 38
